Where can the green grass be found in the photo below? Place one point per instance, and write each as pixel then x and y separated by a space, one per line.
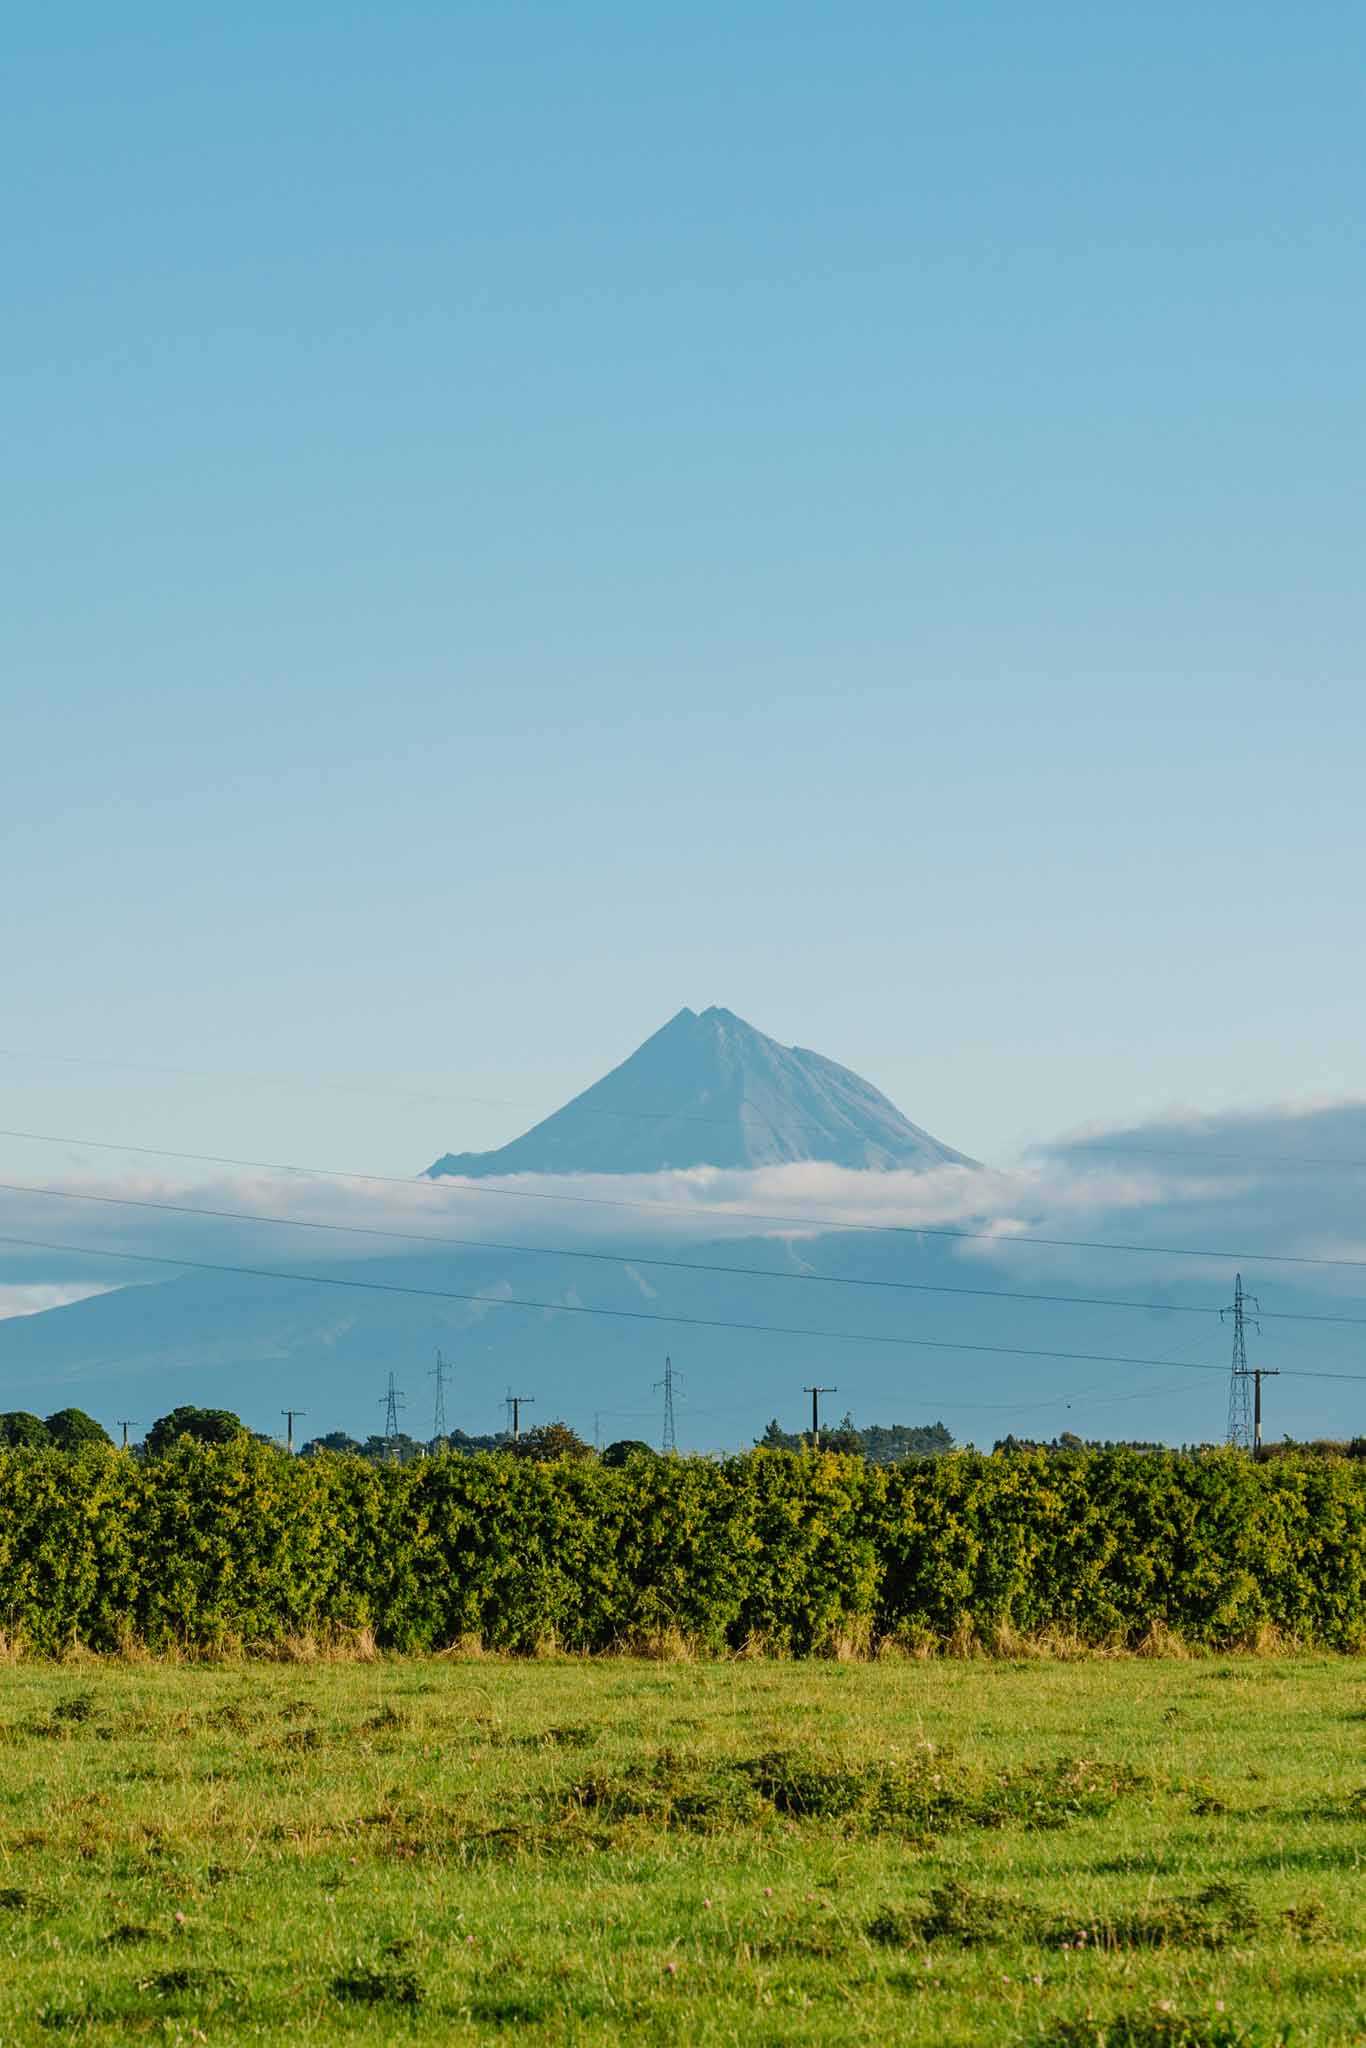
pixel 1144 1853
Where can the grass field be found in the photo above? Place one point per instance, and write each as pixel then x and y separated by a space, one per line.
pixel 941 1852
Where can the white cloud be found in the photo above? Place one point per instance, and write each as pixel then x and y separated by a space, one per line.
pixel 31 1300
pixel 1226 1184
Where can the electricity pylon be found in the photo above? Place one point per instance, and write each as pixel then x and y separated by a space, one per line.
pixel 440 1372
pixel 670 1440
pixel 1239 1400
pixel 393 1401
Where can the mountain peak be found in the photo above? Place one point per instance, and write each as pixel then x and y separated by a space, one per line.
pixel 712 1090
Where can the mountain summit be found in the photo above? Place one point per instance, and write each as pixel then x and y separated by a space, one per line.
pixel 710 1090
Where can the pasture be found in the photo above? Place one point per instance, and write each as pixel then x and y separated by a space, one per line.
pixel 1165 1854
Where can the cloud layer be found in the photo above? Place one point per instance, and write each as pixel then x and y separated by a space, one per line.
pixel 32 1298
pixel 1289 1182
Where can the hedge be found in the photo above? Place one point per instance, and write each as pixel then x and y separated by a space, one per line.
pixel 237 1545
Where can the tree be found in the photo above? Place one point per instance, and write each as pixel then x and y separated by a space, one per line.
pixel 842 1437
pixel 71 1429
pixel 549 1441
pixel 889 1445
pixel 21 1431
pixel 879 1443
pixel 201 1425
pixel 1070 1441
pixel 465 1445
pixel 626 1447
pixel 336 1440
pixel 392 1450
pixel 775 1438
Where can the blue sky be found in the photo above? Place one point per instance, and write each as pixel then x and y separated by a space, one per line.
pixel 520 518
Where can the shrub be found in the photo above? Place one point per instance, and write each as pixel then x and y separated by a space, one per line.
pixel 208 1545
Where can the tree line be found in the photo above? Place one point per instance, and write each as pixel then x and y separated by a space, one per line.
pixel 235 1545
pixel 72 1430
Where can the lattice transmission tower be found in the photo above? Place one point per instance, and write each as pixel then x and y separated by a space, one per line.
pixel 1240 1379
pixel 440 1372
pixel 393 1401
pixel 670 1440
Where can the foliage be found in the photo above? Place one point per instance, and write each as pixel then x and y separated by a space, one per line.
pixel 19 1429
pixel 550 1441
pixel 889 1445
pixel 624 1448
pixel 879 1443
pixel 200 1425
pixel 400 1449
pixel 336 1441
pixel 460 1440
pixel 71 1429
pixel 1068 1440
pixel 209 1544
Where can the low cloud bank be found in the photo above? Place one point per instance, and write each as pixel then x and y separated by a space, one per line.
pixel 32 1298
pixel 1289 1181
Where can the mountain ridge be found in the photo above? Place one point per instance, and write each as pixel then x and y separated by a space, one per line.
pixel 709 1089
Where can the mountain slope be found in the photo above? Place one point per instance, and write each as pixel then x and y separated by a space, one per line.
pixel 254 1344
pixel 710 1090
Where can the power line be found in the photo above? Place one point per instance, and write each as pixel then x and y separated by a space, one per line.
pixel 1003 1240
pixel 642 1315
pixel 646 1259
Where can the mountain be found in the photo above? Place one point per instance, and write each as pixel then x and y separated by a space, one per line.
pixel 706 1090
pixel 710 1090
pixel 746 1347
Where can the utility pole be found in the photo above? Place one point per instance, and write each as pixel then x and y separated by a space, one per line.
pixel 125 1427
pixel 670 1440
pixel 815 1393
pixel 393 1401
pixel 1260 1373
pixel 440 1373
pixel 1239 1415
pixel 289 1415
pixel 515 1404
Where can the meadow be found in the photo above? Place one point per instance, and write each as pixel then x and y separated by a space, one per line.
pixel 1092 1852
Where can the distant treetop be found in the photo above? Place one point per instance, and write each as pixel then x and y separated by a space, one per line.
pixel 71 1429
pixel 551 1440
pixel 880 1444
pixel 627 1447
pixel 21 1431
pixel 202 1425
